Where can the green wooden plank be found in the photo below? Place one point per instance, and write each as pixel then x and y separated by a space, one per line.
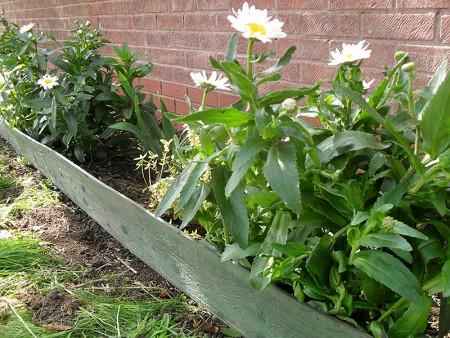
pixel 192 266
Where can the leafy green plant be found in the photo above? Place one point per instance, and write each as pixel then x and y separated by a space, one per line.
pixel 352 214
pixel 137 114
pixel 76 106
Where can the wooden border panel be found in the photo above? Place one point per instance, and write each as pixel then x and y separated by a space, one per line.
pixel 192 266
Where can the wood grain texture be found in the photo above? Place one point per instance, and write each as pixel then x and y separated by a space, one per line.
pixel 192 266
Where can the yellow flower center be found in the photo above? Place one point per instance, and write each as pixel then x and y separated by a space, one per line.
pixel 349 56
pixel 255 28
pixel 48 81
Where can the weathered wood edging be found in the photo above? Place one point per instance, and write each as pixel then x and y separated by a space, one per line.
pixel 193 267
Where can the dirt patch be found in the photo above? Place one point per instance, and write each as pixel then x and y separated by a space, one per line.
pixel 54 306
pixel 79 240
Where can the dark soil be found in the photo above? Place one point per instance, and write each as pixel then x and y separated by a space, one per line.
pixel 82 242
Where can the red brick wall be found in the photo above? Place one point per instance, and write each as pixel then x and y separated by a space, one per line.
pixel 179 35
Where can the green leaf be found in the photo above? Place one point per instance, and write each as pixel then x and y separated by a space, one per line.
pixel 228 116
pixel 169 130
pixel 393 196
pixel 232 47
pixel 292 249
pixel 281 63
pixel 233 210
pixel 126 126
pixel 414 320
pixel 422 103
pixel 277 234
pixel 72 123
pixel 261 198
pixel 429 248
pixel 446 278
pixel 109 96
pixel 405 230
pixel 191 184
pixel 234 251
pixel 380 240
pixel 320 261
pixel 345 142
pixel 358 99
pixel 244 159
pixel 175 189
pixel 239 80
pixel 281 173
pixel 196 200
pixel 126 87
pixel 283 94
pixel 435 125
pixel 389 271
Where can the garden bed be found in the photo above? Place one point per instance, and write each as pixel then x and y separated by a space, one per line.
pixel 192 266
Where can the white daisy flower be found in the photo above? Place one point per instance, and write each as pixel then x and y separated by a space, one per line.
pixel 26 28
pixel 48 81
pixel 254 23
pixel 214 81
pixel 367 85
pixel 350 53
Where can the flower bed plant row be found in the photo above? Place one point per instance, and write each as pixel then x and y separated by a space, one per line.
pixel 349 214
pixel 192 266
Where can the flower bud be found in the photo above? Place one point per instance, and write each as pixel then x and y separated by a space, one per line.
pixel 388 223
pixel 88 23
pixel 271 263
pixel 409 67
pixel 79 32
pixel 400 55
pixel 289 105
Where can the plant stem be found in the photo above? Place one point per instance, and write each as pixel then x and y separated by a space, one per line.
pixel 249 59
pixel 393 308
pixel 226 235
pixel 202 105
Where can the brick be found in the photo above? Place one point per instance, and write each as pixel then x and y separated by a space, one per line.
pixel 173 89
pixel 445 29
pixel 307 49
pixel 305 4
pixel 174 57
pixel 427 58
pixel 183 5
pixel 260 4
pixel 201 22
pixel 399 26
pixel 291 72
pixel 134 38
pixel 145 22
pixel 162 72
pixel 217 42
pixel 150 85
pixel 170 21
pixel 293 23
pixel 226 99
pixel 310 73
pixel 198 59
pixel 157 39
pixel 196 94
pixel 327 24
pixel 410 4
pixel 181 75
pixel 213 5
pixel 360 4
pixel 188 40
pixel 169 102
pixel 155 6
pixel 181 107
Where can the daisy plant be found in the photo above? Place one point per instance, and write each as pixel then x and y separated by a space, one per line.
pixel 48 82
pixel 350 213
pixel 209 84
